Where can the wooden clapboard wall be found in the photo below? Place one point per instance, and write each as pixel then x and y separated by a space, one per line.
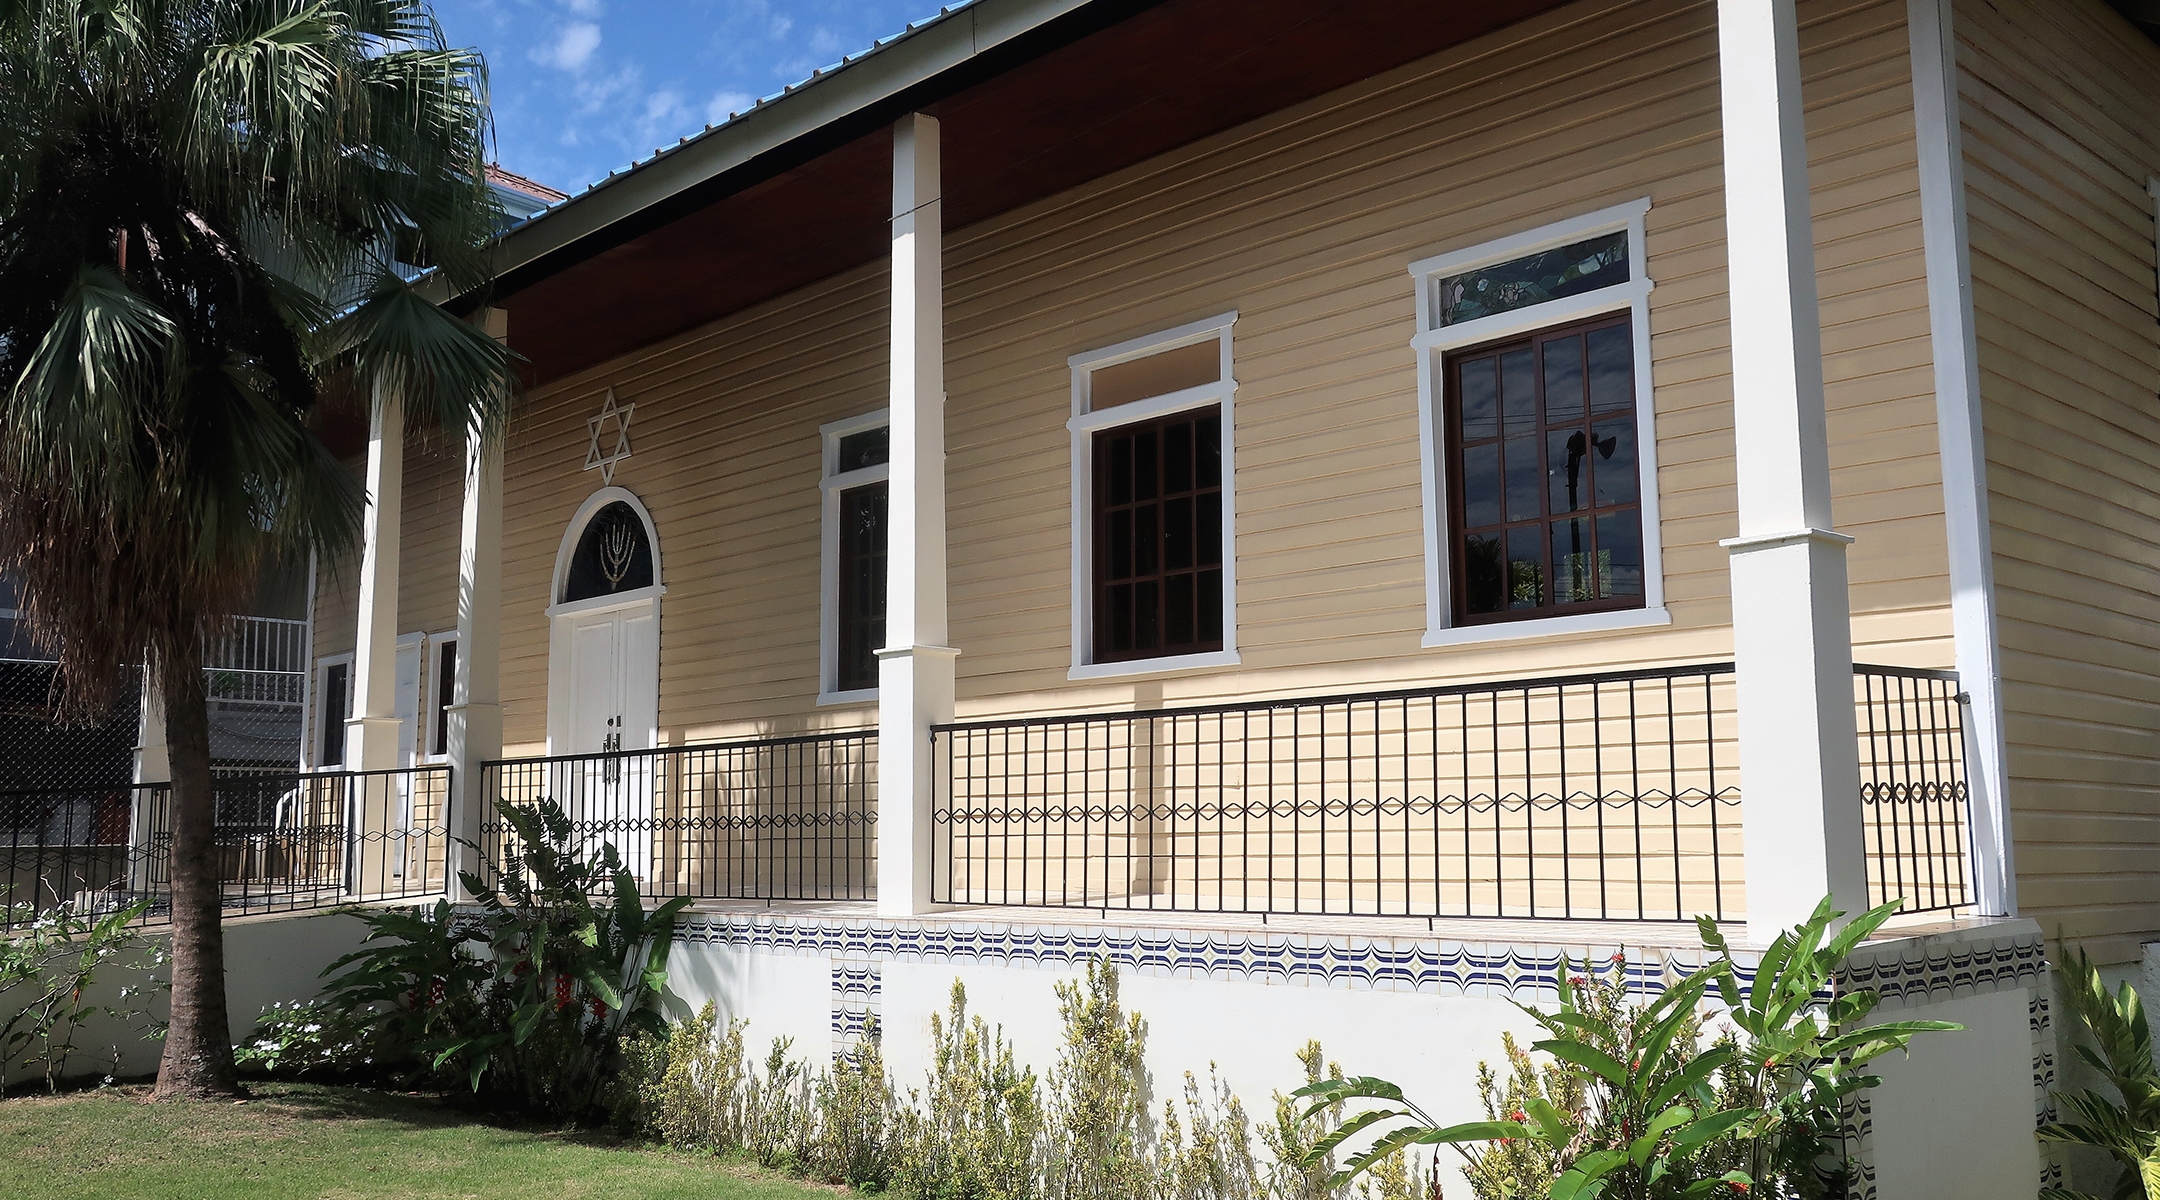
pixel 2061 130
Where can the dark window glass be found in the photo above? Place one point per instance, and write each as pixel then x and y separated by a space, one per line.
pixel 862 586
pixel 613 555
pixel 869 448
pixel 331 704
pixel 1586 266
pixel 445 694
pixel 1545 512
pixel 1159 537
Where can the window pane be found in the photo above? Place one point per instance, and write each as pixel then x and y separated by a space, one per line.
pixel 1525 479
pixel 1534 278
pixel 1147 609
pixel 1526 568
pixel 1566 474
pixel 1518 391
pixel 1120 564
pixel 1563 379
pixel 1177 544
pixel 1207 445
pixel 1178 610
pixel 868 448
pixel 1210 523
pixel 1481 486
pixel 445 694
pixel 1484 573
pixel 1612 369
pixel 1619 479
pixel 862 586
pixel 1147 539
pixel 1210 604
pixel 1156 375
pixel 1571 561
pixel 1620 565
pixel 1478 396
pixel 1145 469
pixel 1121 617
pixel 1177 459
pixel 1121 451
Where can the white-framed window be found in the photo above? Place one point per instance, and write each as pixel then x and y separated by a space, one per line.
pixel 851 603
pixel 333 704
pixel 1154 562
pixel 440 690
pixel 1537 433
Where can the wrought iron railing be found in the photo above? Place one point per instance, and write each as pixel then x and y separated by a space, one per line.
pixel 283 842
pixel 787 818
pixel 1591 796
pixel 1913 794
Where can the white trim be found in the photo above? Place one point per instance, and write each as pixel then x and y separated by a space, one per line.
pixel 1544 627
pixel 1962 445
pixel 1771 541
pixel 593 604
pixel 1431 344
pixel 831 484
pixel 576 528
pixel 1154 666
pixel 1085 423
pixel 432 696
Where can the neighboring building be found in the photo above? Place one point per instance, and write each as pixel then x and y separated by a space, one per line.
pixel 1262 490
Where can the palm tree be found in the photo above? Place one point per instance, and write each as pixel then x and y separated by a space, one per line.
pixel 204 205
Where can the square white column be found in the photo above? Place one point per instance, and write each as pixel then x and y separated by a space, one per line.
pixel 371 733
pixel 915 669
pixel 475 722
pixel 1792 618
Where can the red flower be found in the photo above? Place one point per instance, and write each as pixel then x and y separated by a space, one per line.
pixel 1517 1115
pixel 1577 980
pixel 599 1010
pixel 1619 958
pixel 562 992
pixel 1737 1185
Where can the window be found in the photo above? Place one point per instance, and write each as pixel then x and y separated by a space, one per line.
pixel 1545 512
pixel 858 455
pixel 613 555
pixel 442 692
pixel 334 705
pixel 1540 496
pixel 1153 567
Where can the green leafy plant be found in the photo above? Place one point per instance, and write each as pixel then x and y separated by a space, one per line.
pixel 1644 1111
pixel 47 978
pixel 973 1133
pixel 311 1039
pixel 568 963
pixel 2126 1125
pixel 1098 1094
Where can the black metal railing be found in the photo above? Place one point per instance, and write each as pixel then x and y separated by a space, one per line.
pixel 788 818
pixel 1589 796
pixel 283 842
pixel 1913 794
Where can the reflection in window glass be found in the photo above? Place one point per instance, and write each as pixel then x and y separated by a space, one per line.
pixel 1534 278
pixel 1545 509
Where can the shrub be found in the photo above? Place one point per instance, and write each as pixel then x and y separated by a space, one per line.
pixel 529 1003
pixel 973 1134
pixel 1217 1163
pixel 47 978
pixel 2126 1125
pixel 1098 1118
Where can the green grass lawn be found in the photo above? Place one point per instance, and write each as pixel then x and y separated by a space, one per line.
pixel 299 1140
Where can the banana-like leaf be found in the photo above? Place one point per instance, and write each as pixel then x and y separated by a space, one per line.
pixel 1584 1055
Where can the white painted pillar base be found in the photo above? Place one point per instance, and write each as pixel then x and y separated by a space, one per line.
pixel 475 732
pixel 1792 618
pixel 915 669
pixel 371 734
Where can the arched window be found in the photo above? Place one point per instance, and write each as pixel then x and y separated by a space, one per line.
pixel 613 555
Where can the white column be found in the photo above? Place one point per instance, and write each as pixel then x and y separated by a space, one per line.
pixel 371 733
pixel 153 764
pixel 475 718
pixel 1963 447
pixel 1792 621
pixel 915 669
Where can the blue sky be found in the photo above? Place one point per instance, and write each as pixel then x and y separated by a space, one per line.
pixel 583 87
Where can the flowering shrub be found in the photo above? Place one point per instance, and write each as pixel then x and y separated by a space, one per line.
pixel 310 1040
pixel 47 978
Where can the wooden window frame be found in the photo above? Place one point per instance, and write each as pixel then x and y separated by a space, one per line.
pixel 1434 343
pixel 832 485
pixel 1534 342
pixel 1085 423
pixel 1103 520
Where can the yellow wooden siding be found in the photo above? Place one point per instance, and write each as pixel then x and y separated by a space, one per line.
pixel 1305 222
pixel 2062 130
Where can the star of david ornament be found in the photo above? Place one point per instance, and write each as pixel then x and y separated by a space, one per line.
pixel 610 438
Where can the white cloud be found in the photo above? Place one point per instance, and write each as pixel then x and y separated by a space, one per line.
pixel 824 41
pixel 573 49
pixel 718 108
pixel 585 8
pixel 779 28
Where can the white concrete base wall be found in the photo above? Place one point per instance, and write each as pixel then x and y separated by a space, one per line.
pixel 1951 1122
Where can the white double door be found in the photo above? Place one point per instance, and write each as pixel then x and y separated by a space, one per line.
pixel 612 702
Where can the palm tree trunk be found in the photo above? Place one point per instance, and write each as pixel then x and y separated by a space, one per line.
pixel 198 1060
